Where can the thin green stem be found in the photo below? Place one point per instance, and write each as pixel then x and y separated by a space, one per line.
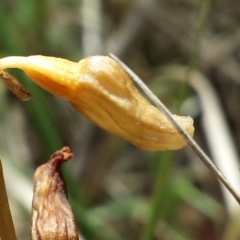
pixel 157 205
pixel 204 13
pixel 194 54
pixel 7 231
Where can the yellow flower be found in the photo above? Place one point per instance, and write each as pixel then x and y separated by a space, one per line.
pixel 99 89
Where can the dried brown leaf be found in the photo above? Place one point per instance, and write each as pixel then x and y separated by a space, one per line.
pixel 15 86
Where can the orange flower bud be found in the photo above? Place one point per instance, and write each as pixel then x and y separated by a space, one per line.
pixel 100 89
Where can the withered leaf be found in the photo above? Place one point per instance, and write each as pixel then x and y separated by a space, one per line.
pixel 52 217
pixel 15 86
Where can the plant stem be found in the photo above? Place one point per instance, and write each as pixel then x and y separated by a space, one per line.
pixel 194 54
pixel 7 231
pixel 158 197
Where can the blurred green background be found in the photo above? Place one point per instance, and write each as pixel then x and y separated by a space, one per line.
pixel 117 191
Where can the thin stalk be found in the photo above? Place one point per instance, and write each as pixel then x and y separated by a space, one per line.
pixel 158 197
pixel 191 142
pixel 204 13
pixel 7 231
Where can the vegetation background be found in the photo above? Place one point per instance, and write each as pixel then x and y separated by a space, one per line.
pixel 117 191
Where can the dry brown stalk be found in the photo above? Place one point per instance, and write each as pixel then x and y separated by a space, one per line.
pixel 15 86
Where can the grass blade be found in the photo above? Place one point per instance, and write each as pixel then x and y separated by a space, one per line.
pixel 191 142
pixel 7 231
